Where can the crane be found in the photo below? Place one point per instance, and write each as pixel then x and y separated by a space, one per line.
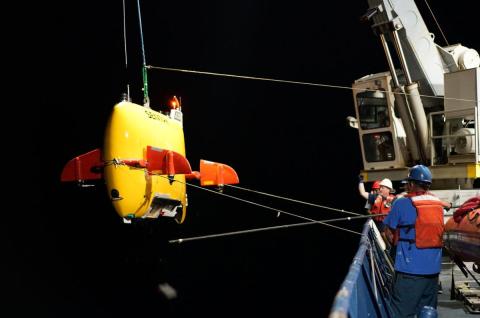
pixel 424 109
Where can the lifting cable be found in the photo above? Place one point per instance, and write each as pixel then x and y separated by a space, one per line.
pixel 296 82
pixel 125 49
pixel 436 22
pixel 146 99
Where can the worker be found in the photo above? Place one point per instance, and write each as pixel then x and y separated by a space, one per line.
pixel 373 192
pixel 380 202
pixel 415 226
pixel 403 188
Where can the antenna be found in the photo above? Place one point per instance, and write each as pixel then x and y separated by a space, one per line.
pixel 146 100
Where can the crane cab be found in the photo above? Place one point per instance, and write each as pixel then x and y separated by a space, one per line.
pixel 382 137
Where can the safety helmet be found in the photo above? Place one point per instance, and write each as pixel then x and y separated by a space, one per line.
pixel 387 183
pixel 376 185
pixel 420 173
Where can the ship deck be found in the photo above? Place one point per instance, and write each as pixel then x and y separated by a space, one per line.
pixel 458 306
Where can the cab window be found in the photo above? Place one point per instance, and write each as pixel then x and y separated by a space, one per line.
pixel 378 147
pixel 373 110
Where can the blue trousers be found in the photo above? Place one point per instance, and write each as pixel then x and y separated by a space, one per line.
pixel 412 292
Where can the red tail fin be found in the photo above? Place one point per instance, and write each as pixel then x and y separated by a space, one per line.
pixel 84 167
pixel 214 173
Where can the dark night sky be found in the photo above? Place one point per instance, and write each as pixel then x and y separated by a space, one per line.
pixel 69 255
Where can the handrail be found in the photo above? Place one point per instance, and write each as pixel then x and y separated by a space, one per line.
pixel 359 285
pixel 364 292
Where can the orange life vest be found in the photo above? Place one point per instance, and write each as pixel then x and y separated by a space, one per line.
pixel 429 224
pixel 381 205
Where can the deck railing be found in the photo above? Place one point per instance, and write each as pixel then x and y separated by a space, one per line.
pixel 366 291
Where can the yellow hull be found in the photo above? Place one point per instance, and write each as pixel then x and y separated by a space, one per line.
pixel 130 130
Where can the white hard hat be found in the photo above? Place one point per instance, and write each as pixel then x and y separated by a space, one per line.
pixel 387 183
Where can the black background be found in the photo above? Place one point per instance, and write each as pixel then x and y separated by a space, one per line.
pixel 67 252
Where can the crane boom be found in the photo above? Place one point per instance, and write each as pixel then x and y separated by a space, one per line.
pixel 423 62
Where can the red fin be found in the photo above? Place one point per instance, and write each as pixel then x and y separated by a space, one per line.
pixel 214 173
pixel 84 167
pixel 169 162
pixel 193 175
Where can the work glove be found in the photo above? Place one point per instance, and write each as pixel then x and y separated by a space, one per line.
pixel 447 208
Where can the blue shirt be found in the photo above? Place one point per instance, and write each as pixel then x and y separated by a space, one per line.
pixel 372 197
pixel 409 259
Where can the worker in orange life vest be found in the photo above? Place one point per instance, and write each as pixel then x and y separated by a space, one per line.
pixel 415 225
pixel 380 202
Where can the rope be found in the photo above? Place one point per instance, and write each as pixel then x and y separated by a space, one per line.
pixel 295 82
pixel 241 76
pixel 293 200
pixel 262 229
pixel 438 25
pixel 259 205
pixel 311 221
